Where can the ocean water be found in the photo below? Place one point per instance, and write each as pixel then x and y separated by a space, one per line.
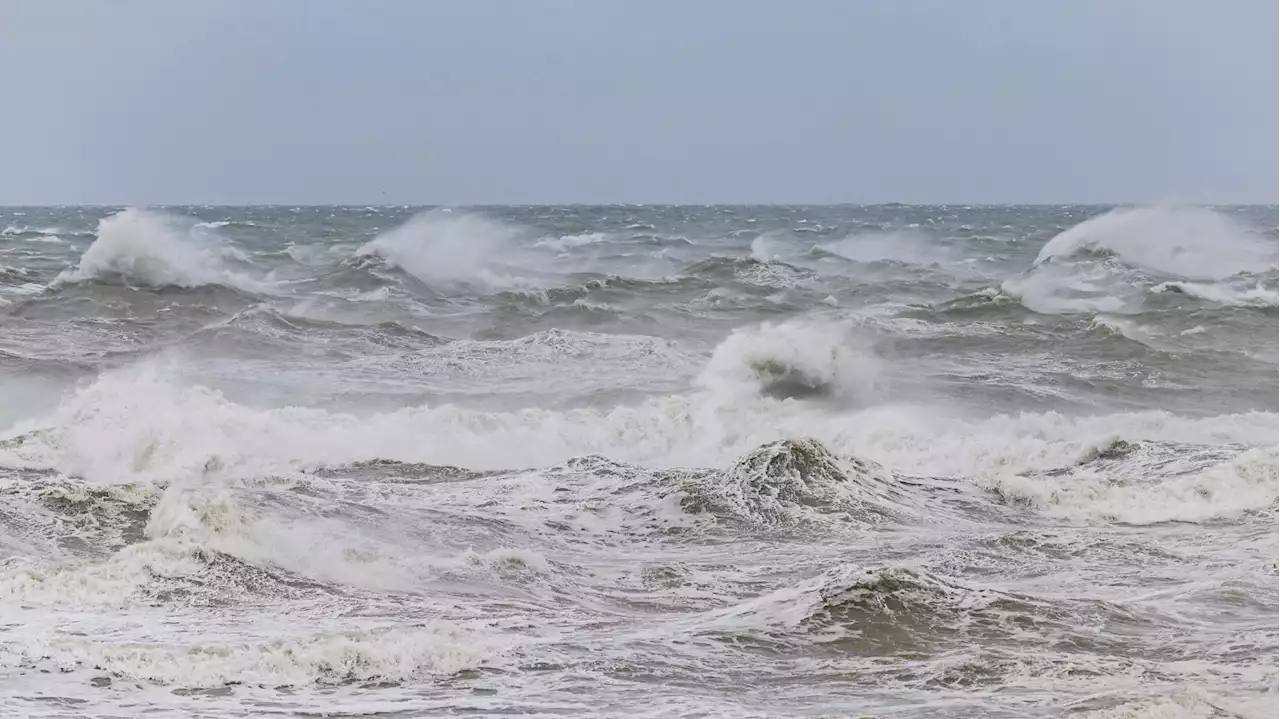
pixel 638 461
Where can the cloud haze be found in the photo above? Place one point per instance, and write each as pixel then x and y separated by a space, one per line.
pixel 610 101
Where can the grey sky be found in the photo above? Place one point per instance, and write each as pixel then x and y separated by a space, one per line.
pixel 453 101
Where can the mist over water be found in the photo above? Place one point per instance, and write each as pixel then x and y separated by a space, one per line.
pixel 639 461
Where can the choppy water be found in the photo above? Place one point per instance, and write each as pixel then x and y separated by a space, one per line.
pixel 639 461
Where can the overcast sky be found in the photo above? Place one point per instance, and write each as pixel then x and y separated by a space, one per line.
pixel 526 101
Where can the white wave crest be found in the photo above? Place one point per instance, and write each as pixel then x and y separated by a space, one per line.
pixel 1125 328
pixel 153 249
pixel 1223 293
pixel 192 435
pixel 1059 289
pixel 1101 265
pixel 566 242
pixel 1189 242
pixel 764 248
pixel 1222 489
pixel 22 290
pixel 793 359
pixel 25 230
pixel 446 248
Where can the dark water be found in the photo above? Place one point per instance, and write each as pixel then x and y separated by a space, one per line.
pixel 639 461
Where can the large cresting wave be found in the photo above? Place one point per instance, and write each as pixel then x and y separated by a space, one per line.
pixel 1108 263
pixel 152 249
pixel 447 249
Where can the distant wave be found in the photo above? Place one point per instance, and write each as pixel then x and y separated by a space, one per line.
pixel 30 232
pixel 565 242
pixel 906 247
pixel 748 271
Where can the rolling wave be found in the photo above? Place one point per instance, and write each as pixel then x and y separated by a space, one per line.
pixel 807 460
pixel 155 250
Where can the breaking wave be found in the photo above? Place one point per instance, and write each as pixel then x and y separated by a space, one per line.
pixel 446 249
pixel 1223 293
pixel 566 242
pixel 193 434
pixel 157 250
pixel 1189 242
pixel 794 359
pixel 1105 264
pixel 404 478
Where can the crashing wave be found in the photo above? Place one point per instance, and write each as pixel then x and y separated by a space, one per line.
pixel 156 250
pixel 1105 263
pixel 1188 242
pixel 796 359
pixel 447 249
pixel 187 431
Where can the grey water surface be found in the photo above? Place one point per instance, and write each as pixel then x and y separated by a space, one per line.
pixel 697 461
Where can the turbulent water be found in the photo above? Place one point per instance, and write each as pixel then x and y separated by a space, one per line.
pixel 639 461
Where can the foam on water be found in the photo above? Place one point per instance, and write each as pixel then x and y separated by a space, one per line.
pixel 546 362
pixel 192 434
pixel 1199 492
pixel 482 467
pixel 331 658
pixel 1189 703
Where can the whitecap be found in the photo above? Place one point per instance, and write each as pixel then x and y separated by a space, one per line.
pixel 154 249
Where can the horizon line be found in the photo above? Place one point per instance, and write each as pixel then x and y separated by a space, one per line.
pixel 1107 203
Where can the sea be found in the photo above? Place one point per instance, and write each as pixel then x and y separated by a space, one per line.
pixel 639 461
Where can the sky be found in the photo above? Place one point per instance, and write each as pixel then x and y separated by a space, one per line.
pixel 621 101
